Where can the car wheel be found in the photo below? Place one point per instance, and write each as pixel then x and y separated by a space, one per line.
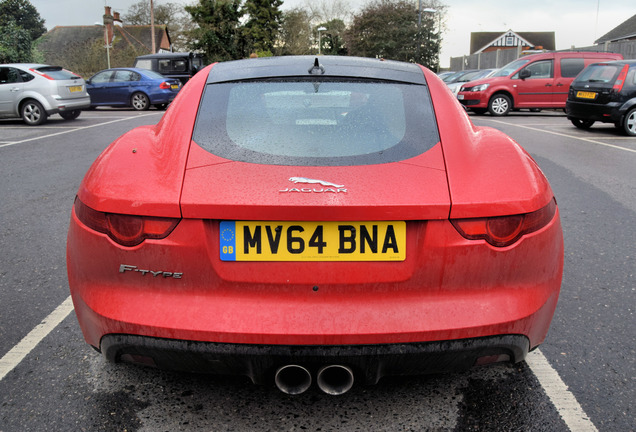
pixel 629 124
pixel 140 101
pixel 582 124
pixel 33 113
pixel 161 106
pixel 70 115
pixel 499 105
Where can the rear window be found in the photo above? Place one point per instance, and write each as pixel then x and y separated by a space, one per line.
pixel 316 122
pixel 57 73
pixel 599 73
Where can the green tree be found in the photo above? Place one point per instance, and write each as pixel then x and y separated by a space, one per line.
pixel 389 29
pixel 24 15
pixel 217 29
pixel 263 21
pixel 332 39
pixel 295 33
pixel 15 44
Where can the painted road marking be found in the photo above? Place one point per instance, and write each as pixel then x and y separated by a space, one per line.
pixel 75 129
pixel 565 135
pixel 11 359
pixel 563 400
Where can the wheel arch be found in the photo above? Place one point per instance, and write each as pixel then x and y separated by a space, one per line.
pixel 505 92
pixel 36 97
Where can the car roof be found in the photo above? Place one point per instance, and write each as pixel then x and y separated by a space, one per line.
pixel 327 66
pixel 167 55
pixel 618 62
pixel 140 70
pixel 27 65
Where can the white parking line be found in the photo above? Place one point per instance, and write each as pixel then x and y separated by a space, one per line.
pixel 566 135
pixel 11 359
pixel 75 129
pixel 563 400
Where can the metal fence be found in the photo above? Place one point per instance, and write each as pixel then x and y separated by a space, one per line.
pixel 500 58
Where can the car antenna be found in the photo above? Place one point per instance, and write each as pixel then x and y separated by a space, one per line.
pixel 317 68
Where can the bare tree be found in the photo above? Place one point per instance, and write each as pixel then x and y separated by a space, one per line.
pixel 327 10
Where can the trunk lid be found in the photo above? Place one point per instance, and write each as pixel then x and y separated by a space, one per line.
pixel 217 188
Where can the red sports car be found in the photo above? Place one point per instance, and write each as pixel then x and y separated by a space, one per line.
pixel 302 219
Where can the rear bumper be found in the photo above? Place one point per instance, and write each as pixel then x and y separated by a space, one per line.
pixel 607 113
pixel 63 105
pixel 259 362
pixel 163 97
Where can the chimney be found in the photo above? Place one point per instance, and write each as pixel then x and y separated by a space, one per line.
pixel 108 26
pixel 117 20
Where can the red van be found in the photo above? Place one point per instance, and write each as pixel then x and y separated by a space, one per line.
pixel 533 81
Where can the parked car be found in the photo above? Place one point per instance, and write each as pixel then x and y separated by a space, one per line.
pixel 301 219
pixel 536 81
pixel 444 74
pixel 604 92
pixel 36 91
pixel 137 88
pixel 181 66
pixel 469 76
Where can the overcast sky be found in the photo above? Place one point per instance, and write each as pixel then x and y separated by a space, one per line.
pixel 575 22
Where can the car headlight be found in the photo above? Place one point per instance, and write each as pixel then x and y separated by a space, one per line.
pixel 477 88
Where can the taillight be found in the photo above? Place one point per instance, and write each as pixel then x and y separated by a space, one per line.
pixel 620 81
pixel 164 86
pixel 126 230
pixel 501 231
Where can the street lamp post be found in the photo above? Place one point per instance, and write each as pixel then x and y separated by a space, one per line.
pixel 320 29
pixel 419 23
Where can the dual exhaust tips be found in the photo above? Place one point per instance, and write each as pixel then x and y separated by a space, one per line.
pixel 332 379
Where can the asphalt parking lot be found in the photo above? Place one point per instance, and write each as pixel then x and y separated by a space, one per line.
pixel 583 378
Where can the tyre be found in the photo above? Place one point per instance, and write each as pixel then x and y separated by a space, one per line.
pixel 33 113
pixel 500 105
pixel 161 106
pixel 140 101
pixel 629 123
pixel 582 124
pixel 70 115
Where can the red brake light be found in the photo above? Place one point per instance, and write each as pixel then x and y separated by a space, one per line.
pixel 164 86
pixel 126 230
pixel 620 81
pixel 503 231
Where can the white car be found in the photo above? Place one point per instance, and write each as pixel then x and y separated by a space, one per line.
pixel 36 91
pixel 467 77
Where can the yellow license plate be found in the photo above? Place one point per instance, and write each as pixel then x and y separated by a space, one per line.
pixel 585 95
pixel 174 86
pixel 312 241
pixel 74 89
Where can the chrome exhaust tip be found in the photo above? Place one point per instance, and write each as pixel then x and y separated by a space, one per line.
pixel 335 379
pixel 292 379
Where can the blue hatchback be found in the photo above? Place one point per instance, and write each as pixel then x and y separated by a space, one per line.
pixel 137 88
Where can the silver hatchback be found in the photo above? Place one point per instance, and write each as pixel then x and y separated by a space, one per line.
pixel 35 91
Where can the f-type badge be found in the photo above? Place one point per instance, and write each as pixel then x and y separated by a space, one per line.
pixel 326 186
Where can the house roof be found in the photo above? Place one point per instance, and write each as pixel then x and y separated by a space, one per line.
pixel 481 40
pixel 625 30
pixel 139 37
